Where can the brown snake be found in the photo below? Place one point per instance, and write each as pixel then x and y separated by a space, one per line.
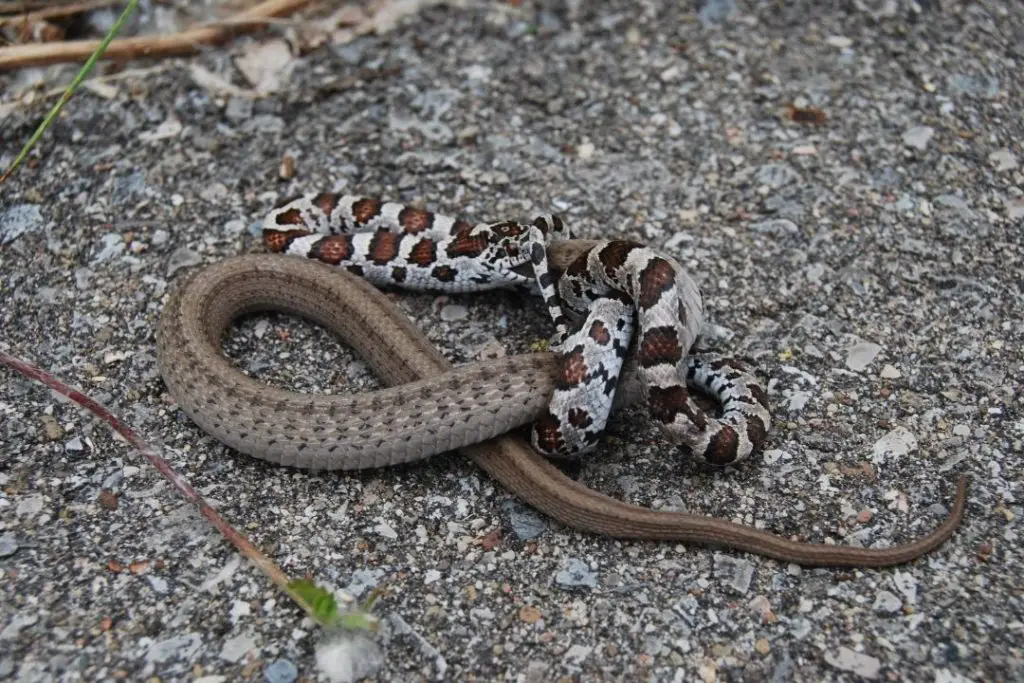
pixel 303 430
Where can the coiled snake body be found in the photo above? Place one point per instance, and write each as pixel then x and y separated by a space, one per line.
pixel 603 290
pixel 566 396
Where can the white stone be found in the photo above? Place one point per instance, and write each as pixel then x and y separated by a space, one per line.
pixel 860 355
pixel 576 654
pixel 855 662
pixel 896 443
pixel 890 372
pixel 235 648
pixel 918 137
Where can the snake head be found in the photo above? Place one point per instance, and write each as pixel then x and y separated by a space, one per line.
pixel 517 252
pixel 509 244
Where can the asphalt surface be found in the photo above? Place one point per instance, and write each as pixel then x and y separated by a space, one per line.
pixel 845 184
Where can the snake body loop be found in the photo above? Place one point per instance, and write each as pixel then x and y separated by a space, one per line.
pixel 442 408
pixel 595 304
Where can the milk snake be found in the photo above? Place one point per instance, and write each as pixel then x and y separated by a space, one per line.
pixel 606 293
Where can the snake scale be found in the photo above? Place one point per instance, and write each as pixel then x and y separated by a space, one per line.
pixel 431 407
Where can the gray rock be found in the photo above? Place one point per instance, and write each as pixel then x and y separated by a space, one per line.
pixel 181 647
pixel 979 86
pixel 550 23
pixel 363 580
pixel 281 671
pixel 235 648
pixel 894 444
pixel 1003 160
pixel 918 137
pixel 30 505
pixel 18 622
pixel 887 603
pixel 83 279
pixel 516 29
pixel 861 355
pixel 713 12
pixel 776 175
pixel 8 544
pixel 536 671
pixel 846 659
pixel 264 123
pixel 128 188
pixel 18 220
pixel 352 53
pixel 182 257
pixel 576 575
pixel 736 572
pixel 576 654
pixel 951 201
pixel 525 522
pixel 453 312
pixel 1014 207
pixel 238 109
pixel 157 584
pixel 783 671
pixel 111 245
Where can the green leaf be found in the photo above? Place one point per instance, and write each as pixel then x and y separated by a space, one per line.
pixel 359 621
pixel 325 607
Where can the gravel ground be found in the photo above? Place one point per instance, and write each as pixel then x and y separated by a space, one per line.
pixel 845 184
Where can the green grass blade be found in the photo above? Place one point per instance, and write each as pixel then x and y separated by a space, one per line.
pixel 79 77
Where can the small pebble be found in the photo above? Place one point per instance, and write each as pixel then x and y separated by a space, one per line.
pixel 525 522
pixel 1003 160
pixel 180 647
pixel 8 545
pixel 889 372
pixel 529 614
pixel 453 312
pixel 1014 208
pixel 18 220
pixel 52 428
pixel 386 531
pixel 887 603
pixel 576 654
pixel 859 356
pixel 235 648
pixel 918 137
pixel 854 662
pixel 30 506
pixel 281 671
pixel 576 575
pixel 896 443
pixel 182 257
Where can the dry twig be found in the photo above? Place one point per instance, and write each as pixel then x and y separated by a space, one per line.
pixel 243 544
pixel 48 12
pixel 183 43
pixel 21 6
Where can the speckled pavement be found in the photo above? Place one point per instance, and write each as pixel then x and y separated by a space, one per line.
pixel 845 184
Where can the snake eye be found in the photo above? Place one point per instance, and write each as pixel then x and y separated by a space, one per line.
pixel 512 249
